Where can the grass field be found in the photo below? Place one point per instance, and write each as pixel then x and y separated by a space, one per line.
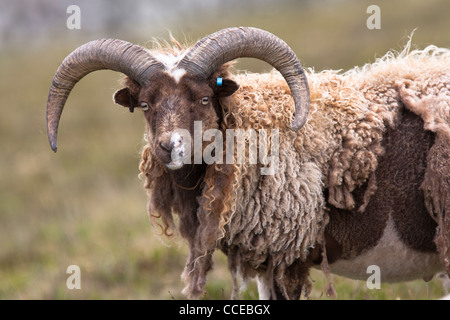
pixel 86 206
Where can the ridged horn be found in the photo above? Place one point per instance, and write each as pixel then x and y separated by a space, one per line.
pixel 117 55
pixel 212 51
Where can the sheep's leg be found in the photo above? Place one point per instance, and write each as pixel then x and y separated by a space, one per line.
pixel 292 281
pixel 264 288
pixel 294 292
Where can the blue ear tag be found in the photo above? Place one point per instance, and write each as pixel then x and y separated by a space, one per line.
pixel 219 82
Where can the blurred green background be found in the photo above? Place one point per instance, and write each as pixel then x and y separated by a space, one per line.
pixel 85 204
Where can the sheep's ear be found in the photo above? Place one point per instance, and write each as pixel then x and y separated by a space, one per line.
pixel 125 98
pixel 224 87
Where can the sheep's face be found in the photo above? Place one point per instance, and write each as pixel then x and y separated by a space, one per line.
pixel 177 112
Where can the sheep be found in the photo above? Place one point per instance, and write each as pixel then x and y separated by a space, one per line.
pixel 362 166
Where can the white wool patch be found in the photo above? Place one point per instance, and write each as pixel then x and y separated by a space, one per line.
pixel 176 139
pixel 177 74
pixel 396 261
pixel 177 152
pixel 170 63
pixel 169 60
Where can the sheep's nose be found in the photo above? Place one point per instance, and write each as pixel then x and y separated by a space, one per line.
pixel 166 146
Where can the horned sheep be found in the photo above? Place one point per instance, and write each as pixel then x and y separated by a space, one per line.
pixel 362 173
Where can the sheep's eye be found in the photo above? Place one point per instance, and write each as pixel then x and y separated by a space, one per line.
pixel 205 101
pixel 144 106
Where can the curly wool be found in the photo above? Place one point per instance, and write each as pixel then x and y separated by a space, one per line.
pixel 266 222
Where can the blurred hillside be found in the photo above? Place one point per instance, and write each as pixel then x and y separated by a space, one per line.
pixel 85 205
pixel 322 33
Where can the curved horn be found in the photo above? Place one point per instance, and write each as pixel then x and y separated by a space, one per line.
pixel 113 54
pixel 211 52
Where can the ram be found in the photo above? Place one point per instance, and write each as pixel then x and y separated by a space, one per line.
pixel 359 172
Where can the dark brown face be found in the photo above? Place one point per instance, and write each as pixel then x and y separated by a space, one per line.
pixel 177 113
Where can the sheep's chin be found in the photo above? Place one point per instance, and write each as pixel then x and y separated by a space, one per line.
pixel 174 165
